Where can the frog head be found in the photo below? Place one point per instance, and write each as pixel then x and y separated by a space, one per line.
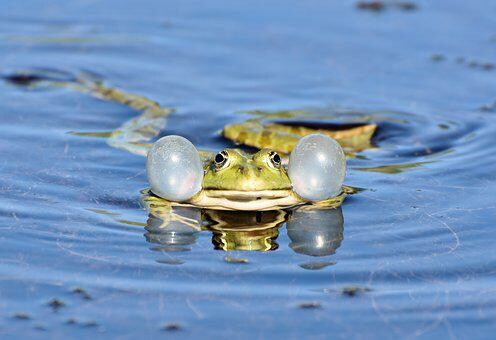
pixel 235 180
pixel 235 170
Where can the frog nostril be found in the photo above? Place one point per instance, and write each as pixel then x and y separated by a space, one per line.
pixel 259 168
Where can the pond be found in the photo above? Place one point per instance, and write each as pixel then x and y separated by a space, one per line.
pixel 410 255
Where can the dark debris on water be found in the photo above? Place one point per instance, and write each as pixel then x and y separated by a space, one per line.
pixel 40 328
pixel 469 63
pixel 74 321
pixel 378 6
pixel 71 321
pixel 22 316
pixel 488 107
pixel 172 327
pixel 241 260
pixel 90 324
pixel 82 292
pixel 438 57
pixel 22 79
pixel 310 305
pixel 33 76
pixel 56 304
pixel 171 261
pixel 354 290
pixel 316 265
pixel 349 291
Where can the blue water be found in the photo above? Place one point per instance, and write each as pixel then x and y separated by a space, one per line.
pixel 418 242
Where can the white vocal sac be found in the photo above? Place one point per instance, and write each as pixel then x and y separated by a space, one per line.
pixel 317 166
pixel 174 168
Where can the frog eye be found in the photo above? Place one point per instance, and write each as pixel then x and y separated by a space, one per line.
pixel 174 168
pixel 317 166
pixel 221 159
pixel 275 159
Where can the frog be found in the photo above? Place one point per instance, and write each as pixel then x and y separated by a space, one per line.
pixel 231 179
pixel 236 180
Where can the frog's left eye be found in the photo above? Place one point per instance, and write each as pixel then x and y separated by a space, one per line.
pixel 221 159
pixel 275 159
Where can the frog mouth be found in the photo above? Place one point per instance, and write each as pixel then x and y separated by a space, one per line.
pixel 252 195
pixel 245 200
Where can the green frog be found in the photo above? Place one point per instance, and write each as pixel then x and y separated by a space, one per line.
pixel 230 179
pixel 251 182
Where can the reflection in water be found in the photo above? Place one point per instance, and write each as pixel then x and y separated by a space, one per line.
pixel 234 230
pixel 175 228
pixel 315 232
pixel 394 168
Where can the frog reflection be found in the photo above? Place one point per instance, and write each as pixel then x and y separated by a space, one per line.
pixel 245 230
pixel 175 228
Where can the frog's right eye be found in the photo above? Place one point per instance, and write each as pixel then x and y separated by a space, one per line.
pixel 221 159
pixel 275 159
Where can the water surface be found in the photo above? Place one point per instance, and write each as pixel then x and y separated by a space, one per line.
pixel 417 244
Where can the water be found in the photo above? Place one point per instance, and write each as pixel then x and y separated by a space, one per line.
pixel 418 243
